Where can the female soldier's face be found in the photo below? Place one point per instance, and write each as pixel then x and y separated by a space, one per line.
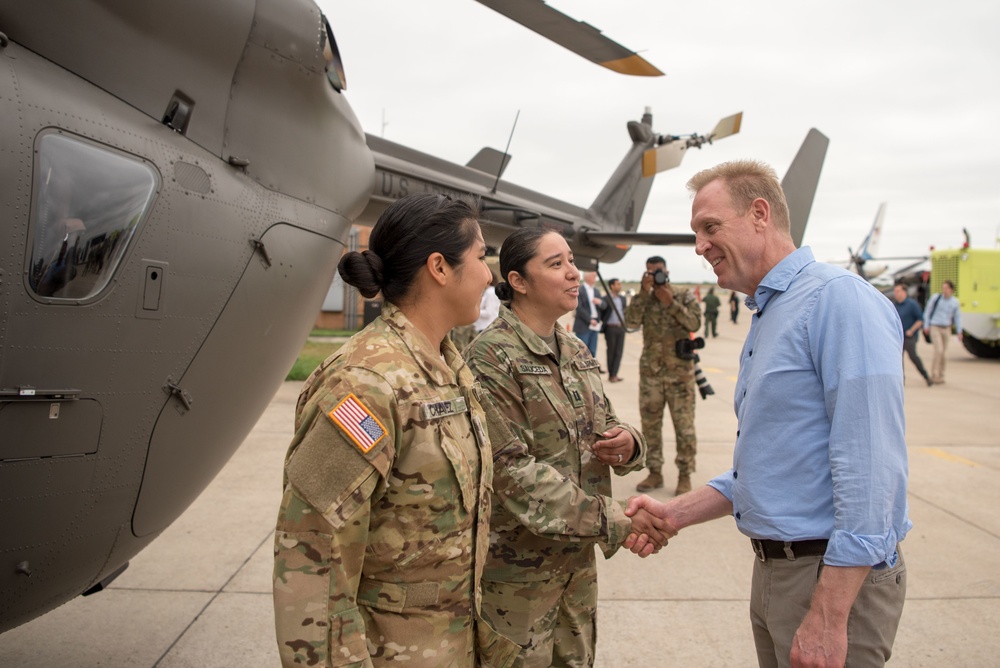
pixel 553 281
pixel 474 277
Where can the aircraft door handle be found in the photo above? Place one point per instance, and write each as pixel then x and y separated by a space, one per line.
pixel 262 249
pixel 182 395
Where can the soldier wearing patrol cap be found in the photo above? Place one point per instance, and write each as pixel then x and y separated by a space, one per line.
pixel 667 314
pixel 382 532
pixel 555 440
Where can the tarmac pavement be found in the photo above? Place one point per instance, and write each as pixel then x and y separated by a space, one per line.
pixel 200 594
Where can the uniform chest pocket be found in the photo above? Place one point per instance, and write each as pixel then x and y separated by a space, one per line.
pixel 552 416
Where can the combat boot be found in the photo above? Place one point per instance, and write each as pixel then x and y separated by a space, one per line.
pixel 653 481
pixel 683 484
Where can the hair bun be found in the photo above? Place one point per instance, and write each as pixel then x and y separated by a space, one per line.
pixel 503 291
pixel 376 265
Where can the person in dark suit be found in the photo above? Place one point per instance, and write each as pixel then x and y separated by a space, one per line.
pixel 612 315
pixel 587 323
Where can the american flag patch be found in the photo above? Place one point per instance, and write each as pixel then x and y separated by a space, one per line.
pixel 361 426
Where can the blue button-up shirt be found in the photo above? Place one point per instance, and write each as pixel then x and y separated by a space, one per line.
pixel 820 451
pixel 948 312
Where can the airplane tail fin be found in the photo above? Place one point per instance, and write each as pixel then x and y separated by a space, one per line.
pixel 869 247
pixel 801 180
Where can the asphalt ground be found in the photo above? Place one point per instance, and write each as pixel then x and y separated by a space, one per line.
pixel 200 594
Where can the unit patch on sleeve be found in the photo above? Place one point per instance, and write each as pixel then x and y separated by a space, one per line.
pixel 357 422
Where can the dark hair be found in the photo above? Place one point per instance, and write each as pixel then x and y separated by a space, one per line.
pixel 900 284
pixel 656 259
pixel 516 252
pixel 948 283
pixel 405 235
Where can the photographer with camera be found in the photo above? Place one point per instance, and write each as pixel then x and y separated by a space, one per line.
pixel 667 315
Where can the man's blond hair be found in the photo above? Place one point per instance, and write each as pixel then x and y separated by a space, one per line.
pixel 746 180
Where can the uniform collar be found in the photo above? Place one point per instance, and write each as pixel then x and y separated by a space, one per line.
pixel 531 340
pixel 441 372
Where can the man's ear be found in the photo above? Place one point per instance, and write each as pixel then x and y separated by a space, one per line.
pixel 760 211
pixel 438 268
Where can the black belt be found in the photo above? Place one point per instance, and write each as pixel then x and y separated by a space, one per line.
pixel 777 549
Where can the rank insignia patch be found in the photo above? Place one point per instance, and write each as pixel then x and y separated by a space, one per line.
pixel 357 422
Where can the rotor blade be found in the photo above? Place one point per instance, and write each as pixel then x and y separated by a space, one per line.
pixel 909 267
pixel 662 158
pixel 670 155
pixel 727 126
pixel 801 180
pixel 638 238
pixel 579 37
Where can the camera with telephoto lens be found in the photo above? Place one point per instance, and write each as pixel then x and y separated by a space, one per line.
pixel 685 348
pixel 660 277
pixel 702 381
pixel 686 351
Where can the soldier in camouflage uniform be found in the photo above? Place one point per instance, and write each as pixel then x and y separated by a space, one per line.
pixel 666 315
pixel 555 442
pixel 382 533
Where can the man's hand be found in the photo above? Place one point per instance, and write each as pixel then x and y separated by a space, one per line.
pixel 697 506
pixel 654 530
pixel 650 510
pixel 821 639
pixel 664 293
pixel 647 283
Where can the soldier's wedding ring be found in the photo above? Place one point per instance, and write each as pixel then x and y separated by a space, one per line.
pixel 619 458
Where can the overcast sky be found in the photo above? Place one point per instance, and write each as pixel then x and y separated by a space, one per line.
pixel 908 93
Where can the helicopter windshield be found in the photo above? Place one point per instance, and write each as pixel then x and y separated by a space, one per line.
pixel 88 203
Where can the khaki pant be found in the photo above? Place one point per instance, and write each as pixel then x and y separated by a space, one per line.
pixel 939 339
pixel 780 597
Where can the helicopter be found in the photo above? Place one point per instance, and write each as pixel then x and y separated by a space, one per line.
pixel 602 232
pixel 178 185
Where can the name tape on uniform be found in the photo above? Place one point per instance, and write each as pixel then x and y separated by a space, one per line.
pixel 357 422
pixel 535 369
pixel 439 409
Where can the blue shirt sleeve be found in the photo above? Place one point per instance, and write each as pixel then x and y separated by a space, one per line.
pixel 856 339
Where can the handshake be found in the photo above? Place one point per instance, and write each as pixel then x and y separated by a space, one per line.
pixel 651 525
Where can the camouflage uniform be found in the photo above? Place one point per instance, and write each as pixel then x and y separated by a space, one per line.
pixel 552 496
pixel 462 336
pixel 664 378
pixel 382 533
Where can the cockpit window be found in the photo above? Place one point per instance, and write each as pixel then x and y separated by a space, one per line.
pixel 334 64
pixel 89 201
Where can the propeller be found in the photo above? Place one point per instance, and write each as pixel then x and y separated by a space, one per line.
pixel 857 263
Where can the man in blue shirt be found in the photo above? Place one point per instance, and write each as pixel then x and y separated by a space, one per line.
pixel 942 312
pixel 819 475
pixel 911 318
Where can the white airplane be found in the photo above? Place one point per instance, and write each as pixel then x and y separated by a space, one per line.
pixel 860 262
